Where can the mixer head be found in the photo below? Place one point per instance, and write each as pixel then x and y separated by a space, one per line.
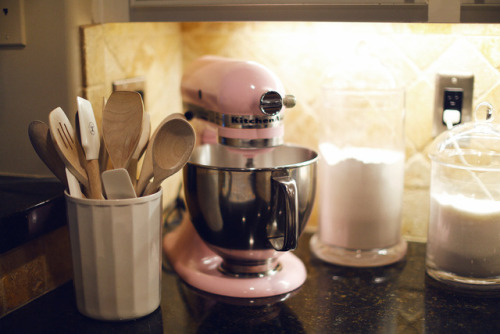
pixel 242 98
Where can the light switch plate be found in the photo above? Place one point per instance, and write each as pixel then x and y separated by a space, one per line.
pixel 12 30
pixel 451 85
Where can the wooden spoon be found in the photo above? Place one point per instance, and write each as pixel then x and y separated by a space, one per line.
pixel 122 126
pixel 39 134
pixel 147 164
pixel 70 151
pixel 172 148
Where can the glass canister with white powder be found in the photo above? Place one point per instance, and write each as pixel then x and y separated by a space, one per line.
pixel 361 166
pixel 463 243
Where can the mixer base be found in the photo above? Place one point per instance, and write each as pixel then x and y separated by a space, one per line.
pixel 198 266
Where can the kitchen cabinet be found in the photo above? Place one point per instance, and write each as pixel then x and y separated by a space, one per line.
pixel 436 11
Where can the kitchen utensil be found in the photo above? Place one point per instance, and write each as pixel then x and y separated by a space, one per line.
pixel 141 147
pixel 172 147
pixel 122 126
pixel 70 151
pixel 147 164
pixel 249 198
pixel 103 152
pixel 39 134
pixel 77 128
pixel 73 185
pixel 117 185
pixel 90 141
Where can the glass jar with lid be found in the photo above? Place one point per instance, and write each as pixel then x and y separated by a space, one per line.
pixel 463 247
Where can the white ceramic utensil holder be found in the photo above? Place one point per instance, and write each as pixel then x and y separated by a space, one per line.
pixel 116 254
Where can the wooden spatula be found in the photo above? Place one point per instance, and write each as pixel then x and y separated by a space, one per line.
pixel 122 126
pixel 121 130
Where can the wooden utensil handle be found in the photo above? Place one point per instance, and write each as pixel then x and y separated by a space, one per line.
pixel 132 171
pixel 151 188
pixel 94 190
pixel 143 181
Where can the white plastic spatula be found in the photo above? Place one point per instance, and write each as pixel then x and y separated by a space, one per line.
pixel 73 185
pixel 117 185
pixel 91 143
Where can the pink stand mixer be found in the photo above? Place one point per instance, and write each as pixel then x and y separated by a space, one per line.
pixel 249 196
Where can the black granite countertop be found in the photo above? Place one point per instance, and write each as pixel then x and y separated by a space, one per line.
pixel 394 299
pixel 29 207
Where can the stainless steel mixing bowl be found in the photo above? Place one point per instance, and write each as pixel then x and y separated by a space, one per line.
pixel 248 209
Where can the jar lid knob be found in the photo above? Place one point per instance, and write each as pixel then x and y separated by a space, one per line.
pixel 484 112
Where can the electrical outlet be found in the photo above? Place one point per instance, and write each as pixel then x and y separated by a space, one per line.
pixel 137 84
pixel 12 31
pixel 453 93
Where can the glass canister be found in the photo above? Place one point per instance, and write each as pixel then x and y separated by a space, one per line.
pixel 463 242
pixel 361 167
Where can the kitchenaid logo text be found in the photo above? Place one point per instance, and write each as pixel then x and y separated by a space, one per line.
pixel 251 121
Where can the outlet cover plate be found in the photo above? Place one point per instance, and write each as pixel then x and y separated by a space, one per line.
pixel 135 84
pixel 12 30
pixel 463 82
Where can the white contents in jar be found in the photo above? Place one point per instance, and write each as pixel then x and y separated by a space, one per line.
pixel 464 236
pixel 360 196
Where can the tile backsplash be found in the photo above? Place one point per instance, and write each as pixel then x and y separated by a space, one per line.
pixel 302 54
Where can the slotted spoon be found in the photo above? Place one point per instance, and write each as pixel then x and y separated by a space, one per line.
pixel 70 151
